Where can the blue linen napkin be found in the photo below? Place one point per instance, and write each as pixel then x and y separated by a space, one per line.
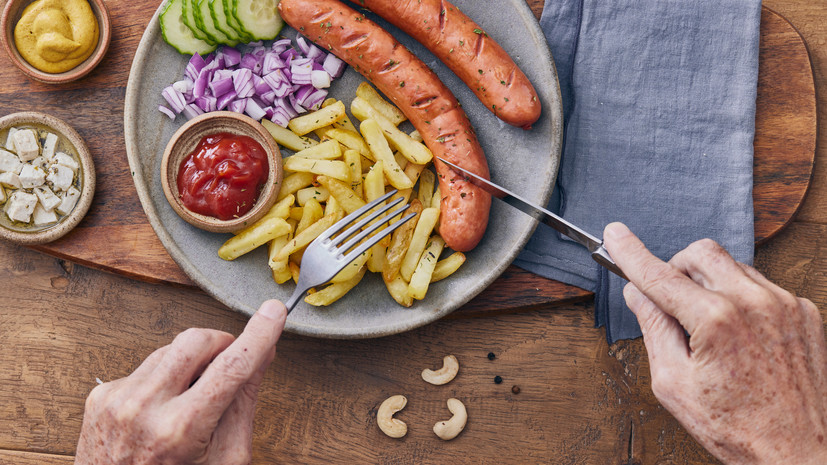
pixel 659 107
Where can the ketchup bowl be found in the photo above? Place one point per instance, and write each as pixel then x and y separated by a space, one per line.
pixel 226 195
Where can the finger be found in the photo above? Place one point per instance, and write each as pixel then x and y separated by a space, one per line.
pixel 664 337
pixel 233 438
pixel 148 365
pixel 711 266
pixel 238 364
pixel 186 357
pixel 670 290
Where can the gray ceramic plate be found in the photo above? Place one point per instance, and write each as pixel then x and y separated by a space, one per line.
pixel 524 161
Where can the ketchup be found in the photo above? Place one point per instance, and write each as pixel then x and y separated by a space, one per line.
pixel 224 176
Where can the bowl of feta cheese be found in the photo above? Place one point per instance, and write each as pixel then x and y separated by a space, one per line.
pixel 47 178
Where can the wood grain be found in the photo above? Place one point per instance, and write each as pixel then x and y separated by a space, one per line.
pixel 784 150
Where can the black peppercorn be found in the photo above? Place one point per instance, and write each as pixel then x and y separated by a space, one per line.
pixel 498 379
pixel 491 356
pixel 515 389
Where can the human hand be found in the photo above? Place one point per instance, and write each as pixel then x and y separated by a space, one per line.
pixel 189 402
pixel 750 384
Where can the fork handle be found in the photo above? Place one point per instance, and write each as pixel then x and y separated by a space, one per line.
pixel 298 293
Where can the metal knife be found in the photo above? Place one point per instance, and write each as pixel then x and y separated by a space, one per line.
pixel 593 244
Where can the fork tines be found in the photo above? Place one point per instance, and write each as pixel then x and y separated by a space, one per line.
pixel 326 240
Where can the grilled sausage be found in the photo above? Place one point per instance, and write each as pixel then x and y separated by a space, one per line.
pixel 469 52
pixel 417 91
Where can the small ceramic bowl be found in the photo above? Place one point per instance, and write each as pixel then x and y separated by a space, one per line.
pixel 11 15
pixel 87 178
pixel 184 142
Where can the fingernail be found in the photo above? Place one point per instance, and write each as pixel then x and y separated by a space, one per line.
pixel 272 309
pixel 616 231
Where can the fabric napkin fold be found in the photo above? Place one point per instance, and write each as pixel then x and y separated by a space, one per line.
pixel 659 107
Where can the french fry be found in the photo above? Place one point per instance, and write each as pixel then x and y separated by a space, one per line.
pixel 421 278
pixel 281 272
pixel 331 207
pixel 352 268
pixel 311 213
pixel 301 240
pixel 345 197
pixel 296 213
pixel 301 125
pixel 327 150
pixel 415 135
pixel 400 240
pixel 375 139
pixel 286 137
pixel 398 289
pixel 414 151
pixel 377 256
pixel 318 193
pixel 256 235
pixel 413 171
pixel 292 183
pixel 350 139
pixel 343 123
pixel 426 187
pixel 294 271
pixel 400 160
pixel 335 291
pixel 333 168
pixel 353 160
pixel 424 227
pixel 374 184
pixel 436 200
pixel 447 266
pixel 388 110
pixel 280 209
pixel 320 133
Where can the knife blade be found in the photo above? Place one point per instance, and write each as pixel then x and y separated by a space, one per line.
pixel 592 243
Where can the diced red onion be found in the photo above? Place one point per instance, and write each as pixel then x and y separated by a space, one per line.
pixel 268 97
pixel 281 45
pixel 283 105
pixel 194 66
pixel 220 87
pixel 314 101
pixel 296 106
pixel 260 85
pixel 304 46
pixel 192 110
pixel 168 112
pixel 225 100
pixel 333 65
pixel 174 98
pixel 251 62
pixel 238 106
pixel 232 56
pixel 300 73
pixel 320 79
pixel 254 110
pixel 271 63
pixel 243 82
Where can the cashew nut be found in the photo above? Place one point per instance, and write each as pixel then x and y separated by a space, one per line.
pixel 384 417
pixel 449 429
pixel 450 367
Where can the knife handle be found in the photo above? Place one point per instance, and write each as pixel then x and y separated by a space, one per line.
pixel 601 256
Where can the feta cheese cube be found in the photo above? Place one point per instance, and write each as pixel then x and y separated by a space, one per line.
pixel 10 139
pixel 9 179
pixel 21 206
pixel 70 198
pixel 66 160
pixel 60 177
pixel 43 217
pixel 26 145
pixel 41 162
pixel 49 146
pixel 47 198
pixel 9 162
pixel 32 176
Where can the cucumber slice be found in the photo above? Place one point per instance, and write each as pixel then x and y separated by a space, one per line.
pixel 259 18
pixel 220 21
pixel 177 34
pixel 188 16
pixel 232 21
pixel 203 18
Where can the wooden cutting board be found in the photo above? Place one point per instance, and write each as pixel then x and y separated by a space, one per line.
pixel 116 236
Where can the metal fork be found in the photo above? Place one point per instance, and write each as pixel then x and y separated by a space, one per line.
pixel 324 258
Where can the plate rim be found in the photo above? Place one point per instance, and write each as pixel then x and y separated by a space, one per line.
pixel 151 34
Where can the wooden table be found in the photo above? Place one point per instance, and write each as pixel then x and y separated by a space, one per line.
pixel 580 401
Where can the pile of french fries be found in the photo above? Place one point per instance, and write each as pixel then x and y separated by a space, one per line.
pixel 344 169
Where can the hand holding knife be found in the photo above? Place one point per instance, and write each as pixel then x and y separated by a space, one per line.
pixel 593 244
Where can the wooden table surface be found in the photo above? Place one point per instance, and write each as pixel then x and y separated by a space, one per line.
pixel 580 401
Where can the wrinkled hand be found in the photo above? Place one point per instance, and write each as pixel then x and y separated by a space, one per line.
pixel 750 384
pixel 189 402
